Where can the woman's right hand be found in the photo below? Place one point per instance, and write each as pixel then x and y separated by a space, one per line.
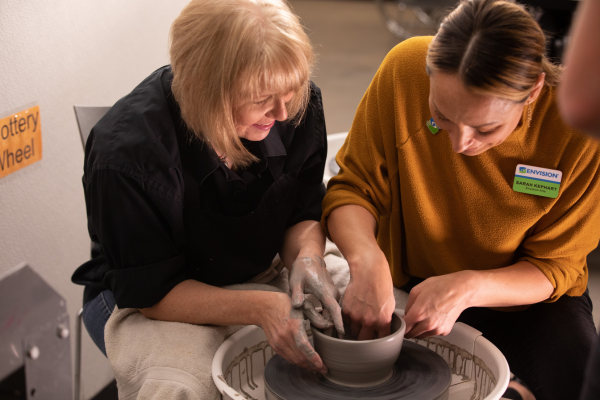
pixel 285 330
pixel 369 302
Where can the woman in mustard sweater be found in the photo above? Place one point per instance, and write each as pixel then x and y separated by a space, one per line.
pixel 460 183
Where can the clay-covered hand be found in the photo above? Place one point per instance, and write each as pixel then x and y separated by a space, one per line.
pixel 435 304
pixel 309 276
pixel 286 332
pixel 369 302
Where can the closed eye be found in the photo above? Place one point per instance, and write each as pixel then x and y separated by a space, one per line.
pixel 262 101
pixel 440 118
pixel 485 133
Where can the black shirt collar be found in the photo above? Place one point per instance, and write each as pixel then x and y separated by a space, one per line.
pixel 207 161
pixel 273 145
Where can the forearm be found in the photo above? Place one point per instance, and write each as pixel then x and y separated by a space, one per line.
pixel 435 304
pixel 579 91
pixel 198 303
pixel 519 284
pixel 353 228
pixel 305 239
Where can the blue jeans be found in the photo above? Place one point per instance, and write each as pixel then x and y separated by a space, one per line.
pixel 95 315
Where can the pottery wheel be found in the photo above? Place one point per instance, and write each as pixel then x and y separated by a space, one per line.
pixel 419 374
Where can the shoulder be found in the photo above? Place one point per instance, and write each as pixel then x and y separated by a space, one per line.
pixel 315 116
pixel 315 102
pixel 310 131
pixel 307 138
pixel 313 124
pixel 399 91
pixel 410 54
pixel 138 133
pixel 137 137
pixel 406 62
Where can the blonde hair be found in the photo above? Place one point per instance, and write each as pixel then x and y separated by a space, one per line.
pixel 224 53
pixel 496 48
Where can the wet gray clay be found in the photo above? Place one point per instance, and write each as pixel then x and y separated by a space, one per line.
pixel 360 363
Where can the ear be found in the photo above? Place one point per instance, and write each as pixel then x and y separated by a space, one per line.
pixel 537 88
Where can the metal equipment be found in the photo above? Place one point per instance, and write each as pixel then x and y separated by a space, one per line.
pixel 35 346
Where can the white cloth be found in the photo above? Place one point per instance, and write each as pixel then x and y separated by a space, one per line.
pixel 155 360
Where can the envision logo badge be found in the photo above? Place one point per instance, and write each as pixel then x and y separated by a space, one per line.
pixel 540 172
pixel 537 181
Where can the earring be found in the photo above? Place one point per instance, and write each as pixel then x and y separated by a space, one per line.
pixel 529 114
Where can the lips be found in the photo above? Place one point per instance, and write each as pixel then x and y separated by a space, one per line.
pixel 264 127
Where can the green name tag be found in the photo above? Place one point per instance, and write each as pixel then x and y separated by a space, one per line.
pixel 538 181
pixel 432 126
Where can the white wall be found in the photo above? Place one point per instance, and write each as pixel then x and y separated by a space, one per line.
pixel 56 54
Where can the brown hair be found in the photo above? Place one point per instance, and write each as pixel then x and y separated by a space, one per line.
pixel 224 53
pixel 495 46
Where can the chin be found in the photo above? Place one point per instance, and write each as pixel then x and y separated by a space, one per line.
pixel 254 137
pixel 257 136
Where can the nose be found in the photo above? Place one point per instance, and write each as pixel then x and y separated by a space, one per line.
pixel 279 111
pixel 461 139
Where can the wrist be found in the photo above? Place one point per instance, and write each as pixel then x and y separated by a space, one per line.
pixel 263 306
pixel 471 283
pixel 367 260
pixel 311 249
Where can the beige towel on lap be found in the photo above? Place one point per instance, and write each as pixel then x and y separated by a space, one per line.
pixel 155 360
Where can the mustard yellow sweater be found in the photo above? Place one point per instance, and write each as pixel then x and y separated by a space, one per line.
pixel 440 212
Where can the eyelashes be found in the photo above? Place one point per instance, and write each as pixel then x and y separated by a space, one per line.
pixel 440 118
pixel 258 103
pixel 482 133
pixel 487 132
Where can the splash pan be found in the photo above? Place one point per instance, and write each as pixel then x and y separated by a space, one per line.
pixel 479 370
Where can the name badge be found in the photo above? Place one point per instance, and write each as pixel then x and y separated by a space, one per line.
pixel 537 181
pixel 432 126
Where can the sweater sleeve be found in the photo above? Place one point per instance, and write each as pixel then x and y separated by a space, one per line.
pixel 561 240
pixel 389 112
pixel 364 173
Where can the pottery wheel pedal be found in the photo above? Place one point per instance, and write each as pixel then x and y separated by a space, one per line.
pixel 419 374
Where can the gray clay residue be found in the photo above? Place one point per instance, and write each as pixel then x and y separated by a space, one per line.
pixel 246 357
pixel 457 359
pixel 484 380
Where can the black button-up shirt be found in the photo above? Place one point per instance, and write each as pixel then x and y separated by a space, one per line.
pixel 134 188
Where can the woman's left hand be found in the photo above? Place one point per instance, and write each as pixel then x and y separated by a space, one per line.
pixel 435 304
pixel 309 275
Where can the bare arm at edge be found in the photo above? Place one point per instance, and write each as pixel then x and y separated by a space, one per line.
pixel 579 91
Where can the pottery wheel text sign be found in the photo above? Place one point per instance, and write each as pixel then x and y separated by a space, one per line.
pixel 20 140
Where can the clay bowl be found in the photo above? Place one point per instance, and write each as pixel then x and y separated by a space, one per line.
pixel 360 363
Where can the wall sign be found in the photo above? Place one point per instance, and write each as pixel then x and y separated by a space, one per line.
pixel 20 140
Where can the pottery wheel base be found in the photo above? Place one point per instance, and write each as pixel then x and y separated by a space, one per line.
pixel 419 374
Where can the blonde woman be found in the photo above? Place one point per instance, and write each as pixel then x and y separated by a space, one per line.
pixel 206 171
pixel 448 188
